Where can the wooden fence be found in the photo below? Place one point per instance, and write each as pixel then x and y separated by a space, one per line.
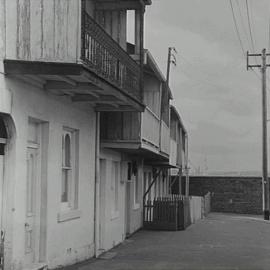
pixel 206 204
pixel 167 213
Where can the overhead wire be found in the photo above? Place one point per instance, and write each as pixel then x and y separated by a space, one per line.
pixel 236 28
pixel 204 80
pixel 250 32
pixel 248 11
pixel 249 26
pixel 242 22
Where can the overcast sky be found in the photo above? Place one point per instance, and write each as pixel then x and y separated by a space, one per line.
pixel 218 99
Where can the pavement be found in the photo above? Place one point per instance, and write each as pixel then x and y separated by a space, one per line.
pixel 218 242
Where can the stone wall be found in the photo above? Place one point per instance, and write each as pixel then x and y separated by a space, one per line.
pixel 241 195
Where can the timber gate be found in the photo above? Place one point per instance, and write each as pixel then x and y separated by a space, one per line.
pixel 170 213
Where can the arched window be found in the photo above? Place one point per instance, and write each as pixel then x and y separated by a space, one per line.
pixel 3 136
pixel 67 144
pixel 69 169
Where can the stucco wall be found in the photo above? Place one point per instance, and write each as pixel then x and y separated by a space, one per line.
pixel 112 223
pixel 72 240
pixel 135 210
pixel 128 219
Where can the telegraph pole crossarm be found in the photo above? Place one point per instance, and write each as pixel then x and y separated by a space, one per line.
pixel 171 59
pixel 265 180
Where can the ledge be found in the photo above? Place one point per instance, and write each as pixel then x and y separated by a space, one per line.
pixel 115 215
pixel 68 215
pixel 136 206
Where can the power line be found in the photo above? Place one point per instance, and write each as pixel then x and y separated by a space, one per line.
pixel 250 31
pixel 249 26
pixel 242 21
pixel 236 29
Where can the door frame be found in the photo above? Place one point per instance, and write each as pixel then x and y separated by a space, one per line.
pixel 36 194
pixel 102 205
pixel 42 185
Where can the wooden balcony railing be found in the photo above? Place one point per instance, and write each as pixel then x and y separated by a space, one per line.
pixel 165 138
pixel 173 152
pixel 105 57
pixel 150 127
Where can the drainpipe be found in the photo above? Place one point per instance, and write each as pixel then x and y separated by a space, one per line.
pixel 97 186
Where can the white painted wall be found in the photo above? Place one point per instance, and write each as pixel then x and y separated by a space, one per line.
pixel 173 152
pixel 195 208
pixel 135 210
pixel 114 222
pixel 115 226
pixel 72 240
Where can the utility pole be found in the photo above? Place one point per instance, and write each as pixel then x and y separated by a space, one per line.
pixel 171 59
pixel 265 180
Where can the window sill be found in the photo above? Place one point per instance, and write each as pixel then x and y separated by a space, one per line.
pixel 68 215
pixel 115 215
pixel 136 206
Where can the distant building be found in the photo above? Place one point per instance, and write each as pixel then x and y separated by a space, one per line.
pixel 178 153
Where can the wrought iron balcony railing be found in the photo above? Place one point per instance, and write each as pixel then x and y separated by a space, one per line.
pixel 105 57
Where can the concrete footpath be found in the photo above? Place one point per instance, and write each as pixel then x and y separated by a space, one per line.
pixel 219 242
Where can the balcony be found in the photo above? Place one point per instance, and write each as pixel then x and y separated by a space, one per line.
pixel 136 133
pixel 150 127
pixel 165 138
pixel 105 57
pixel 174 152
pixel 70 54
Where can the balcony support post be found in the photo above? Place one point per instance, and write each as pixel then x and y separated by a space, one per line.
pixel 139 41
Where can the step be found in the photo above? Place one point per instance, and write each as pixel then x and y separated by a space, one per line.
pixel 36 266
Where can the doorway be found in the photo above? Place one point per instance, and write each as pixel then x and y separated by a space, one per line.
pixel 36 193
pixel 102 205
pixel 128 180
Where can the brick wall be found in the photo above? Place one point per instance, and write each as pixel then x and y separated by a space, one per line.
pixel 241 195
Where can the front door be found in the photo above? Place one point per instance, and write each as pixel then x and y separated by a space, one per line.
pixel 32 222
pixel 127 178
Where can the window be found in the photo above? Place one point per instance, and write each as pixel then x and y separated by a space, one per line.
pixel 114 186
pixel 69 196
pixel 131 26
pixel 136 190
pixel 129 171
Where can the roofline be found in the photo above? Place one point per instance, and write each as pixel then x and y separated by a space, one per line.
pixel 148 2
pixel 149 59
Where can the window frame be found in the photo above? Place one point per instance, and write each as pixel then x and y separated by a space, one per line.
pixel 69 206
pixel 136 192
pixel 115 184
